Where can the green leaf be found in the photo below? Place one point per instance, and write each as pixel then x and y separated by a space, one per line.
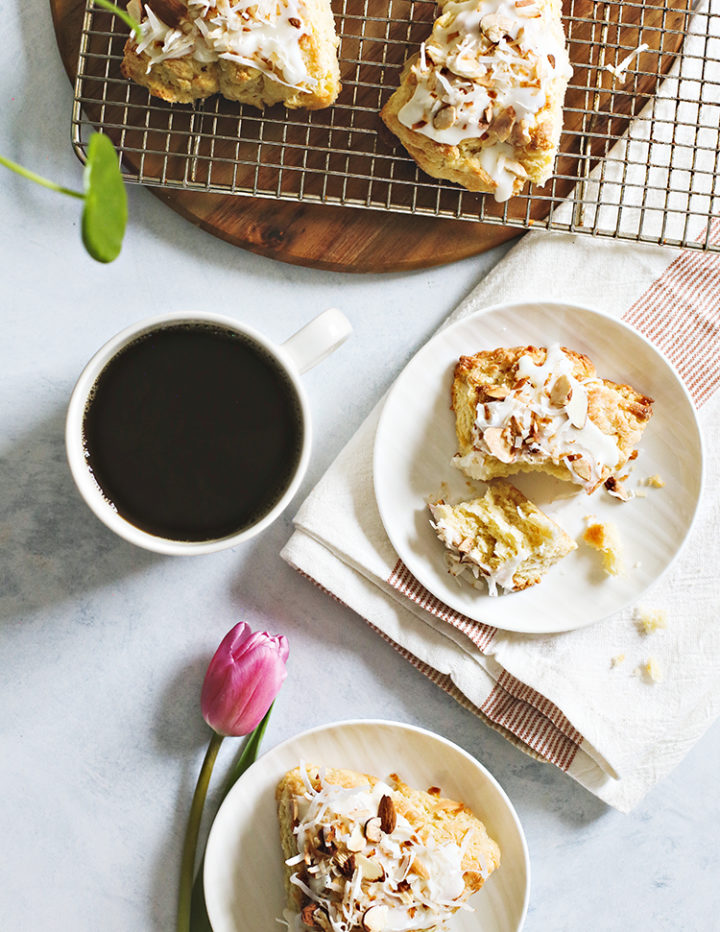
pixel 105 213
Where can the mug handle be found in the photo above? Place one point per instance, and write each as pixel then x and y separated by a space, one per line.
pixel 317 339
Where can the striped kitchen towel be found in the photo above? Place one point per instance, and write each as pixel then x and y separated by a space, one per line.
pixel 555 696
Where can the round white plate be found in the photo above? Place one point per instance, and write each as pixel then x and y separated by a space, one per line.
pixel 416 440
pixel 243 875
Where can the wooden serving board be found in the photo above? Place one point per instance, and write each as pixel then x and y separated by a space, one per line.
pixel 358 240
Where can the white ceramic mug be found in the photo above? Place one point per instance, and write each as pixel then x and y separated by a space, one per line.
pixel 311 344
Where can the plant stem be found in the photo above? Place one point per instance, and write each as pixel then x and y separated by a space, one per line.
pixel 125 17
pixel 199 921
pixel 38 179
pixel 249 753
pixel 187 866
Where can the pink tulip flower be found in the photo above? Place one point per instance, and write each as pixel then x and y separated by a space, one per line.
pixel 243 679
pixel 240 686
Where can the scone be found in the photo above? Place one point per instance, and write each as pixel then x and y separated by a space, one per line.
pixel 531 408
pixel 501 539
pixel 363 855
pixel 481 104
pixel 262 52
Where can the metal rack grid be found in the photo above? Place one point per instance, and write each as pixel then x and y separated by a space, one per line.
pixel 660 183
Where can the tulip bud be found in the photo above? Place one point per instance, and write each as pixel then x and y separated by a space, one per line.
pixel 242 680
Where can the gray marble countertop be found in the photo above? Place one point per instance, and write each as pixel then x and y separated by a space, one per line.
pixel 104 646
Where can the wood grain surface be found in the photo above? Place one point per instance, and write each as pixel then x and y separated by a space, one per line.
pixel 358 240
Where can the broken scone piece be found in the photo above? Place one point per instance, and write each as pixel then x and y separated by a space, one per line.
pixel 481 104
pixel 259 52
pixel 363 855
pixel 535 408
pixel 604 536
pixel 501 539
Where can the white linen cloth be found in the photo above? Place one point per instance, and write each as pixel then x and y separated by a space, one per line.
pixel 556 696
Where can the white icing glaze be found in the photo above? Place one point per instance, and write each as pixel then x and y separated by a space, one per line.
pixel 460 67
pixel 551 431
pixel 261 34
pixel 472 563
pixel 344 901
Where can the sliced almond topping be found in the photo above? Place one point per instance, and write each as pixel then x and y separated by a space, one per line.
pixel 498 392
pixel 497 445
pixel 370 869
pixel 512 165
pixel 445 117
pixel 561 391
pixel 375 918
pixel 417 867
pixel 465 546
pixel 617 489
pixel 356 841
pixel 534 432
pixel 576 409
pixel 582 469
pixel 388 816
pixel 502 125
pixel 347 866
pixel 495 26
pixel 373 829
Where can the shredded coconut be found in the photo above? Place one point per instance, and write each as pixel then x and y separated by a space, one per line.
pixel 619 72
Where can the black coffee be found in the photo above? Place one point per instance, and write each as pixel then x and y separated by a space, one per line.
pixel 193 432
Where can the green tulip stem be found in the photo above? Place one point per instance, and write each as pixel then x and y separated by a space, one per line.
pixel 187 865
pixel 38 179
pixel 249 753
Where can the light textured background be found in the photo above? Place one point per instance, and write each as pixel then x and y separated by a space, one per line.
pixel 104 646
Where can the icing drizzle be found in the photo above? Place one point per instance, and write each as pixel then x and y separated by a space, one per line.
pixel 543 425
pixel 260 34
pixel 484 74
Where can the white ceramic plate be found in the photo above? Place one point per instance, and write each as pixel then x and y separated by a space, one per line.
pixel 416 440
pixel 243 861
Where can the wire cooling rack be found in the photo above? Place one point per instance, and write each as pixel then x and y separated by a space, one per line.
pixel 638 157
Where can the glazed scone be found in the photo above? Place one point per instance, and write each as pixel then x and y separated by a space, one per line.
pixel 481 104
pixel 363 855
pixel 501 539
pixel 535 408
pixel 261 53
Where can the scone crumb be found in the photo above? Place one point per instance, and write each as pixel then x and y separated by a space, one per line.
pixel 650 619
pixel 603 536
pixel 617 660
pixel 650 671
pixel 655 482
